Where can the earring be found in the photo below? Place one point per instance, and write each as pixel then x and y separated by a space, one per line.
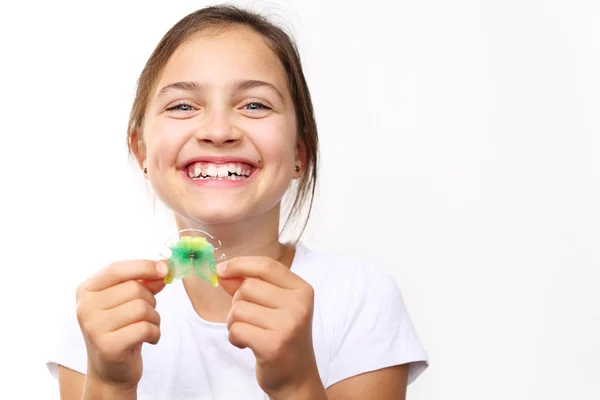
pixel 145 170
pixel 296 168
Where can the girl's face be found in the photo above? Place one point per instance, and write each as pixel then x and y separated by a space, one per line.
pixel 220 129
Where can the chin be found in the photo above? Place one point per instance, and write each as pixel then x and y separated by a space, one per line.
pixel 217 207
pixel 215 215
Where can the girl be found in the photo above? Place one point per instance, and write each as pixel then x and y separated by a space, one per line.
pixel 221 126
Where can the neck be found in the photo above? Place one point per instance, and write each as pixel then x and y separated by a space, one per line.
pixel 258 236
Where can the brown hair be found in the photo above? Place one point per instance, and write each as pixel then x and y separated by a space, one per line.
pixel 222 17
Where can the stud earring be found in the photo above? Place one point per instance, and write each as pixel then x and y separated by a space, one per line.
pixel 296 168
pixel 145 170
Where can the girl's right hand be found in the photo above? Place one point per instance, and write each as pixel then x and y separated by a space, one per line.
pixel 116 313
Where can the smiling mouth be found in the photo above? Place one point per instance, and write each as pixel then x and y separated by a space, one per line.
pixel 212 171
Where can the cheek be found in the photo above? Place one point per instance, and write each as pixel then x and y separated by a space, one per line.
pixel 274 139
pixel 165 137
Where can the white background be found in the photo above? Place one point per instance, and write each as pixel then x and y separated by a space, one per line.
pixel 460 149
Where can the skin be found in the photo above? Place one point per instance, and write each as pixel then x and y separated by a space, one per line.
pixel 265 306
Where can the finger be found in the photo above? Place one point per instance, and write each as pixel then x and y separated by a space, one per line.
pixel 136 310
pixel 263 293
pixel 242 335
pixel 133 335
pixel 253 314
pixel 123 293
pixel 124 271
pixel 264 268
pixel 155 287
pixel 230 285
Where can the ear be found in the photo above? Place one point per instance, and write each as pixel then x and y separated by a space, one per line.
pixel 301 156
pixel 138 148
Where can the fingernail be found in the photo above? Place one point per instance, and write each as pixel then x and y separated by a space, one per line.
pixel 162 268
pixel 221 268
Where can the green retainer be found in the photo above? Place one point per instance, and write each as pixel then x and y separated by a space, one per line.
pixel 192 255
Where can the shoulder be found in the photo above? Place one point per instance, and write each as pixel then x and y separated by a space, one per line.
pixel 341 275
pixel 313 262
pixel 352 292
pixel 69 351
pixel 361 308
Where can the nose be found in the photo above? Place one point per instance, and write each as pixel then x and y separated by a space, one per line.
pixel 217 129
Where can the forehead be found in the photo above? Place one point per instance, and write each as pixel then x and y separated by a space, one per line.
pixel 217 58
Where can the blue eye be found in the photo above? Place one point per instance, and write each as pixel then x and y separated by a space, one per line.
pixel 181 107
pixel 255 106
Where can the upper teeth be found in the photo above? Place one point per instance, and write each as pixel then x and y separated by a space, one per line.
pixel 200 169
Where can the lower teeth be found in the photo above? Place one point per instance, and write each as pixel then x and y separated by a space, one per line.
pixel 226 178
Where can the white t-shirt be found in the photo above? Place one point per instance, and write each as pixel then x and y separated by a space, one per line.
pixel 360 324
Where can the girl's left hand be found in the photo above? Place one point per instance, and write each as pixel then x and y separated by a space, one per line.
pixel 271 313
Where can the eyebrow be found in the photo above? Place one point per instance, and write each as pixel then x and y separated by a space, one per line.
pixel 187 86
pixel 245 84
pixel 248 84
